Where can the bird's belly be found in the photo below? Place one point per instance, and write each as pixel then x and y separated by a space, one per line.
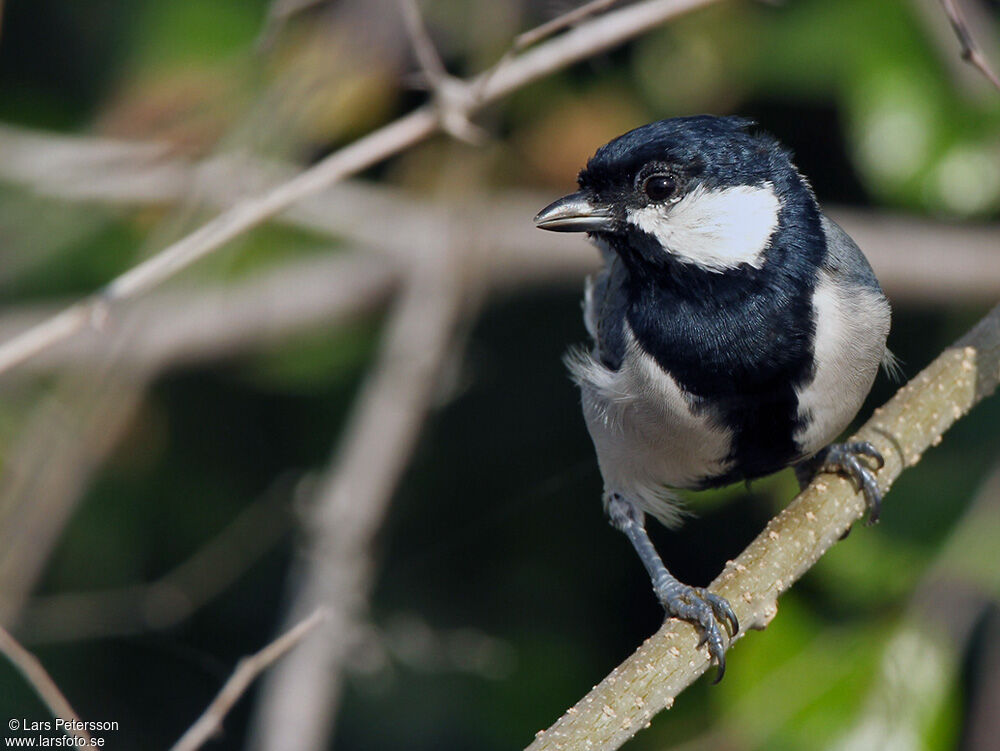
pixel 647 443
pixel 649 435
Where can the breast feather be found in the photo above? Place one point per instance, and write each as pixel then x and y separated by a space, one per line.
pixel 649 434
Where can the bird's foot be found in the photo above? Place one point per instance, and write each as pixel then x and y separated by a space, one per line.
pixel 845 459
pixel 705 611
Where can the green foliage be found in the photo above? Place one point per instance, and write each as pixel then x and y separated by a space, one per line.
pixel 186 33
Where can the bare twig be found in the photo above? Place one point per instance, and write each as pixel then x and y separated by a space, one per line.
pixel 449 92
pixel 432 67
pixel 174 327
pixel 299 698
pixel 246 673
pixel 555 25
pixel 39 679
pixel 46 471
pixel 670 660
pixel 581 42
pixel 904 250
pixel 970 50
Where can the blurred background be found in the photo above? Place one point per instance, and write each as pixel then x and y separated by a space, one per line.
pixel 362 401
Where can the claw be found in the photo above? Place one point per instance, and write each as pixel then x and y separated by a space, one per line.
pixel 721 659
pixel 707 611
pixel 866 448
pixel 843 458
pixel 725 612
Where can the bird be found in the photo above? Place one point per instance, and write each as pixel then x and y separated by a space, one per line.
pixel 735 331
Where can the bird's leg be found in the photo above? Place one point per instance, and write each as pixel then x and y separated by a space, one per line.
pixel 695 605
pixel 845 459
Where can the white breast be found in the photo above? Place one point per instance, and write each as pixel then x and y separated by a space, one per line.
pixel 647 435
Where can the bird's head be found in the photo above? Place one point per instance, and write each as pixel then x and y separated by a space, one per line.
pixel 702 191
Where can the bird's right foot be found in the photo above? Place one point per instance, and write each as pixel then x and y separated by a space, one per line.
pixel 705 611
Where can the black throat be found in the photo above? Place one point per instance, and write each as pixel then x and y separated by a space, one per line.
pixel 738 342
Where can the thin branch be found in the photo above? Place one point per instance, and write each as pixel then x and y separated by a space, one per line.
pixel 211 321
pixel 432 67
pixel 905 250
pixel 449 92
pixel 39 679
pixel 669 661
pixel 299 699
pixel 584 41
pixel 46 470
pixel 246 673
pixel 970 50
pixel 929 641
pixel 174 327
pixel 555 25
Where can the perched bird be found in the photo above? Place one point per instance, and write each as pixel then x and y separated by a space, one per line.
pixel 736 329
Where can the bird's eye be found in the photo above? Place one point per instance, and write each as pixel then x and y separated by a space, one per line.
pixel 659 187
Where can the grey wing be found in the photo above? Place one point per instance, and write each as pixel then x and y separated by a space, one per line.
pixel 851 317
pixel 604 307
pixel 847 264
pixel 844 259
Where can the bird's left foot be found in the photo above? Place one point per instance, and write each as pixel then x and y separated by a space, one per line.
pixel 845 459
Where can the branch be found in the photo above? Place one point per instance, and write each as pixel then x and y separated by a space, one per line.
pixel 904 250
pixel 669 661
pixel 555 25
pixel 39 679
pixel 299 699
pixel 246 672
pixel 929 642
pixel 949 601
pixel 46 469
pixel 173 327
pixel 578 44
pixel 970 50
pixel 449 93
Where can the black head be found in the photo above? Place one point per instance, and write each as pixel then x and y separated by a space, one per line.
pixel 702 191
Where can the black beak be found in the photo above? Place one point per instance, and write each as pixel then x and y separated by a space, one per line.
pixel 574 213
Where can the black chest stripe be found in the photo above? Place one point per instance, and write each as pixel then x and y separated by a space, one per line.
pixel 738 342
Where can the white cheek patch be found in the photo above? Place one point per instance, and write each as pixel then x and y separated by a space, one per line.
pixel 717 229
